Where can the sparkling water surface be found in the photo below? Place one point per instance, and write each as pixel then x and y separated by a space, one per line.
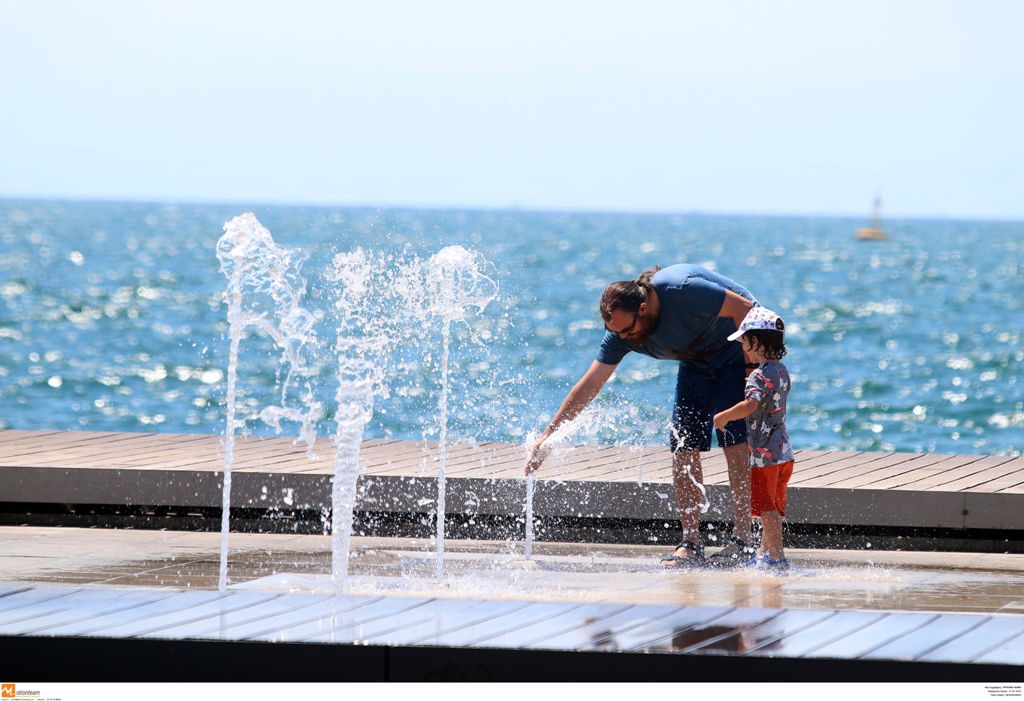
pixel 112 318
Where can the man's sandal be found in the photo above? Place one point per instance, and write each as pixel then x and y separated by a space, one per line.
pixel 694 558
pixel 736 553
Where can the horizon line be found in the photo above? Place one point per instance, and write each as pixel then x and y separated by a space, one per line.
pixel 497 208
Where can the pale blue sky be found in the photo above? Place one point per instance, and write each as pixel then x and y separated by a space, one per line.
pixel 758 106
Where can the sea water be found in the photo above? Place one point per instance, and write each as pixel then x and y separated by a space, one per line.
pixel 112 318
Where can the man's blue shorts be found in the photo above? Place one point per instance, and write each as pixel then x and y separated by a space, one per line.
pixel 703 389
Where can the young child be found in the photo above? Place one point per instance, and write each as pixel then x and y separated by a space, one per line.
pixel 764 407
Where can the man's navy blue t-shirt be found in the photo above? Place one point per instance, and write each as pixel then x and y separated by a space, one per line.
pixel 689 327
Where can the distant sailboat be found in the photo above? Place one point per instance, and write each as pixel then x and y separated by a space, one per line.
pixel 873 231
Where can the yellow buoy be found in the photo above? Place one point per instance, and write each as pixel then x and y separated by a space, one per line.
pixel 871 234
pixel 873 231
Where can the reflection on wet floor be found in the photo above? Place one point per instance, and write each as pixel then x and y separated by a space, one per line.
pixel 842 580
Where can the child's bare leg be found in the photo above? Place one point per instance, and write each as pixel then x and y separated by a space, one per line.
pixel 771 537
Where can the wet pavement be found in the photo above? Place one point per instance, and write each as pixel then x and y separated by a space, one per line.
pixel 496 571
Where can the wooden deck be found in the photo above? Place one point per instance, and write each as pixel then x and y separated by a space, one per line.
pixel 828 487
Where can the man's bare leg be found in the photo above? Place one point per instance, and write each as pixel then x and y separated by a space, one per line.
pixel 737 458
pixel 686 468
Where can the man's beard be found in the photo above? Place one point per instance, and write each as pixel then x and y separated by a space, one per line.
pixel 650 326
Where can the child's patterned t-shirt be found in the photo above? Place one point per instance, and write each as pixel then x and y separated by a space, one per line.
pixel 766 427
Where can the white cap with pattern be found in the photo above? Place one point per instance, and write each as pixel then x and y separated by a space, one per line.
pixel 759 318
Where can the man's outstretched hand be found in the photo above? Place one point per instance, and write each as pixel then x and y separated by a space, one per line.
pixel 537 456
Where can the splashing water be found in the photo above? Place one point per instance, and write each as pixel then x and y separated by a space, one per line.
pixel 376 303
pixel 264 290
pixel 531 481
pixel 705 503
pixel 455 283
pixel 379 305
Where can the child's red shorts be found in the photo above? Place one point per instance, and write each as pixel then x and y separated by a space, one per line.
pixel 768 488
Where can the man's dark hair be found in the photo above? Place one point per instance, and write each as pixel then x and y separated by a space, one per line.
pixel 772 343
pixel 626 295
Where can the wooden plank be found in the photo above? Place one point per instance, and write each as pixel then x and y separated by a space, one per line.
pixel 207 454
pixel 867 474
pixel 85 454
pixel 412 459
pixel 1013 478
pixel 829 461
pixel 607 462
pixel 997 468
pixel 206 460
pixel 11 439
pixel 942 462
pixel 662 471
pixel 66 443
pixel 144 453
pixel 387 454
pixel 459 459
pixel 8 435
pixel 939 479
pixel 499 462
pixel 645 466
pixel 515 464
pixel 68 436
pixel 719 473
pixel 132 458
pixel 204 450
pixel 568 462
pixel 837 465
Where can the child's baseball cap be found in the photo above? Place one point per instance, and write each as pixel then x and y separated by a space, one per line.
pixel 759 319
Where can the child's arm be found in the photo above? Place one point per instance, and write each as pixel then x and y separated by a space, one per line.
pixel 738 411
